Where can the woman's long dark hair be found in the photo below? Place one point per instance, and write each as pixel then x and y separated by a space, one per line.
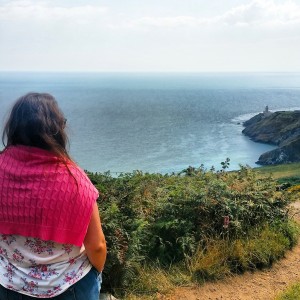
pixel 36 120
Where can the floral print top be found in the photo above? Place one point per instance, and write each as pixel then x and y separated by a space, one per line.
pixel 41 269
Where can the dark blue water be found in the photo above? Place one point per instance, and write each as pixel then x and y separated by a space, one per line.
pixel 158 122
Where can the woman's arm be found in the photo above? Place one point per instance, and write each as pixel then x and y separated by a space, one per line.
pixel 94 241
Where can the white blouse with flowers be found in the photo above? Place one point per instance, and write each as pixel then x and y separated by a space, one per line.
pixel 42 269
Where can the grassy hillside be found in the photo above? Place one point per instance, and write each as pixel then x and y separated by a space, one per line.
pixel 280 171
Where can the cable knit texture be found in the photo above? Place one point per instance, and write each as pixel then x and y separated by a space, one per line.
pixel 42 197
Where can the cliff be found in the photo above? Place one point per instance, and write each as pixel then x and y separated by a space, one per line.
pixel 280 128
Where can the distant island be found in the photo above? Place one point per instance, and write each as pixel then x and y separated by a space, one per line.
pixel 281 128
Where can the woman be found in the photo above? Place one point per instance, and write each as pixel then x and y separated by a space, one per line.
pixel 51 240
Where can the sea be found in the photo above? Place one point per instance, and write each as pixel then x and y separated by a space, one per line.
pixel 158 122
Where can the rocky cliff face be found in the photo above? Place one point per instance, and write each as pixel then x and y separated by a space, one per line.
pixel 280 128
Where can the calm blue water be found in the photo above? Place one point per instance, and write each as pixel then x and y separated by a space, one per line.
pixel 158 122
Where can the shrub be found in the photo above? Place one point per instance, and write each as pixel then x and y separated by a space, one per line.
pixel 291 180
pixel 193 216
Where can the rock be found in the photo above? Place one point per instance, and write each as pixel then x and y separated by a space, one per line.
pixel 287 154
pixel 280 128
pixel 254 120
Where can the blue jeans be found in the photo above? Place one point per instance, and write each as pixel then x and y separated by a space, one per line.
pixel 87 288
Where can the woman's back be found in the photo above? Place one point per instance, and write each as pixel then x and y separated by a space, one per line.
pixel 29 264
pixel 51 240
pixel 42 196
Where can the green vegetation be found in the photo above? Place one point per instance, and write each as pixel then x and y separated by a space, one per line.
pixel 168 230
pixel 280 171
pixel 292 293
pixel 287 176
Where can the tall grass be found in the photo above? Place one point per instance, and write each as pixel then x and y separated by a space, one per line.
pixel 291 293
pixel 258 250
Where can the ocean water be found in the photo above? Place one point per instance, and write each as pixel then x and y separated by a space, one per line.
pixel 121 122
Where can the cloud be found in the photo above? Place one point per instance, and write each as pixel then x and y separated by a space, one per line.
pixel 262 12
pixel 255 13
pixel 65 35
pixel 20 10
pixel 165 21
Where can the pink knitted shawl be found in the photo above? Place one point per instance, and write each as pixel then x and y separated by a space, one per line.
pixel 42 197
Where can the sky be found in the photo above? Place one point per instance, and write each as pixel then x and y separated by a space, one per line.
pixel 150 35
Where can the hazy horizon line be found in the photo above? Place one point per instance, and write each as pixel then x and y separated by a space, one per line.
pixel 145 72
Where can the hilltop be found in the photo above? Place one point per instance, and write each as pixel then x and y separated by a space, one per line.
pixel 281 128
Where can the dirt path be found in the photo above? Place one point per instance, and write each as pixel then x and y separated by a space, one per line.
pixel 260 285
